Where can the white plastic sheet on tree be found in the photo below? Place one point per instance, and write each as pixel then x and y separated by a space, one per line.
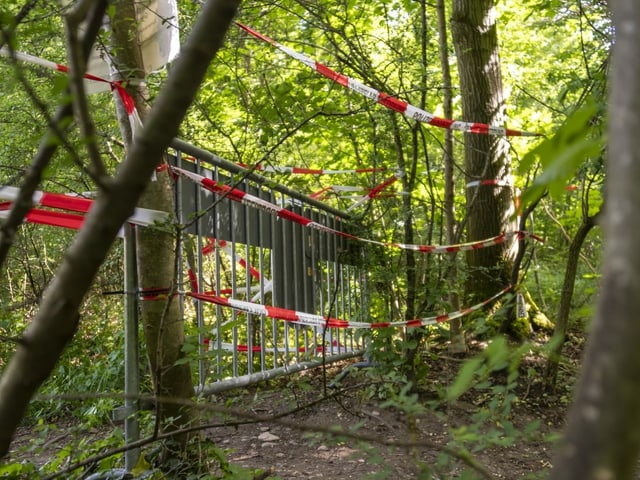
pixel 158 36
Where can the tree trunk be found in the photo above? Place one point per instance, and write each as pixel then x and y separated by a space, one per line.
pixel 602 439
pixel 489 208
pixel 456 333
pixel 162 323
pixel 414 336
pixel 562 320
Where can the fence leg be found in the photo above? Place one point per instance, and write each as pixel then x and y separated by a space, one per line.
pixel 131 346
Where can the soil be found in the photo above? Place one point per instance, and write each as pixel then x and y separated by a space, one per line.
pixel 298 447
pixel 285 433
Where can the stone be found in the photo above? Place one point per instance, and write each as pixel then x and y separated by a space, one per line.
pixel 268 437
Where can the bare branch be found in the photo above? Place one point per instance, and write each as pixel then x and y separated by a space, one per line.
pixel 77 64
pixel 244 417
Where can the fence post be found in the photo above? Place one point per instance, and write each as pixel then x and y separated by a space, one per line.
pixel 131 347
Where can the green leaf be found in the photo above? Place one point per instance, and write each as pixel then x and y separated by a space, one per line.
pixel 60 83
pixel 464 379
pixel 497 353
pixel 562 155
pixel 111 11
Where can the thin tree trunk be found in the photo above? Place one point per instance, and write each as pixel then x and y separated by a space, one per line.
pixel 456 334
pixel 562 320
pixel 413 335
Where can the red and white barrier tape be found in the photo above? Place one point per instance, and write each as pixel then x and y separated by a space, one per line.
pixel 387 100
pixel 254 272
pixel 127 100
pixel 312 320
pixel 489 182
pixel 141 216
pixel 375 191
pixel 320 194
pixel 153 293
pixel 47 217
pixel 224 245
pixel 280 212
pixel 344 190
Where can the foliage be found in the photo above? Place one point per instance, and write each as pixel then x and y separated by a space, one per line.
pixel 76 449
pixel 565 153
pixel 492 379
pixel 259 106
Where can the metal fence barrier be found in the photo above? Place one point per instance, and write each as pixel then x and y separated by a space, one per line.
pixel 242 252
pixel 233 250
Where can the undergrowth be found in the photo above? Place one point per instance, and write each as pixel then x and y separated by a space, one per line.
pixel 494 386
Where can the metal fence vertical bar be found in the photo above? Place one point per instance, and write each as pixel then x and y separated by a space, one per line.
pixel 332 282
pixel 233 262
pixel 217 269
pixel 247 275
pixel 131 349
pixel 200 276
pixel 264 279
pixel 277 269
pixel 287 260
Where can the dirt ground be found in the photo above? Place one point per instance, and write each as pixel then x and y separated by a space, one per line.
pixel 288 435
pixel 297 446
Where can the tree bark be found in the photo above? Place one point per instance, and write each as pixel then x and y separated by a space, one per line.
pixel 162 322
pixel 57 318
pixel 473 26
pixel 602 439
pixel 456 333
pixel 562 320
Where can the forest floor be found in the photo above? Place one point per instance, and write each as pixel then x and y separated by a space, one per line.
pixel 289 430
pixel 396 438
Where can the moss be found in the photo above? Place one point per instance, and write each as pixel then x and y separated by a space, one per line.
pixel 520 329
pixel 541 322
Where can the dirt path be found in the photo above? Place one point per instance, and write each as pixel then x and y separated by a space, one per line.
pixel 290 451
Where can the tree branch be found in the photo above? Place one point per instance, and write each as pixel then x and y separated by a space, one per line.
pixel 77 65
pixel 57 319
pixel 245 417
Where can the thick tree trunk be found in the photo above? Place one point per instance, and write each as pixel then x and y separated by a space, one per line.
pixel 489 208
pixel 161 319
pixel 603 435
